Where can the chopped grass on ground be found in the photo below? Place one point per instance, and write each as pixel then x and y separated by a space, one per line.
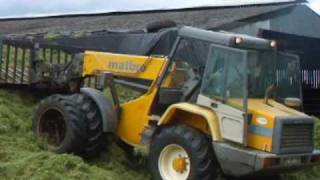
pixel 21 155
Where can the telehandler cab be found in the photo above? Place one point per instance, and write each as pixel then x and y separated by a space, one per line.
pixel 218 101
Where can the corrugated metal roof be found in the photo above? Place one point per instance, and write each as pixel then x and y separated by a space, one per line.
pixel 218 3
pixel 138 6
pixel 209 17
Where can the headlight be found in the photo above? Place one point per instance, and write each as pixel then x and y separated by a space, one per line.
pixel 238 40
pixel 273 44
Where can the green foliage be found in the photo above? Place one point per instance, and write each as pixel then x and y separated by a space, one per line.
pixel 51 36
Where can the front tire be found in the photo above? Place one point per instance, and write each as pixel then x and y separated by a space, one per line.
pixel 180 152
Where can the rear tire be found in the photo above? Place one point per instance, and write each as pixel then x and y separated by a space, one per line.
pixel 61 122
pixel 180 152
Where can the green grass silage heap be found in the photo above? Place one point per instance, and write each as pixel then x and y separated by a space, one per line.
pixel 21 156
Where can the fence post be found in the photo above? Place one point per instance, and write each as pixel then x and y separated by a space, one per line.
pixel 33 62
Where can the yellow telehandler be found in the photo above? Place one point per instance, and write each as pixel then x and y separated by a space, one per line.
pixel 218 102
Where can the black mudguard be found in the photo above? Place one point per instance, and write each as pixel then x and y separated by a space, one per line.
pixel 106 108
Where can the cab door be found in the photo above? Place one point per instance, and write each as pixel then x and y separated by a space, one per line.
pixel 224 90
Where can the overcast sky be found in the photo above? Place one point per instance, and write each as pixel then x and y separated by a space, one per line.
pixel 315 4
pixel 19 8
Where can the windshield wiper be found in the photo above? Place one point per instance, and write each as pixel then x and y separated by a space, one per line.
pixel 269 92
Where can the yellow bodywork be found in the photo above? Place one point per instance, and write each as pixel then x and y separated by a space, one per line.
pixel 135 117
pixel 135 114
pixel 259 109
pixel 199 117
pixel 131 66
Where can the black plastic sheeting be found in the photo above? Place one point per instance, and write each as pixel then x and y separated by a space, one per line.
pixel 125 43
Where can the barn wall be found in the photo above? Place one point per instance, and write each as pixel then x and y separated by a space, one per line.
pixel 252 28
pixel 301 21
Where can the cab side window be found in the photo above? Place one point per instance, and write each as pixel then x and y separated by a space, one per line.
pixel 214 78
pixel 188 62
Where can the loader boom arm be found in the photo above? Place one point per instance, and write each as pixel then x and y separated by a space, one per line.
pixel 128 66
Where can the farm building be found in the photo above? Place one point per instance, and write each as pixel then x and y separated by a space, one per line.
pixel 292 23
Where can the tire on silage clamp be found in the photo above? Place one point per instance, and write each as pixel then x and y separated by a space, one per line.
pixel 61 123
pixel 158 25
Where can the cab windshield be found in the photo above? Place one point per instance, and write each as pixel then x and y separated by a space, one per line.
pixel 267 68
pixel 261 72
pixel 234 75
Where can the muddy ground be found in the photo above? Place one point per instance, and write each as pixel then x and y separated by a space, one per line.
pixel 21 155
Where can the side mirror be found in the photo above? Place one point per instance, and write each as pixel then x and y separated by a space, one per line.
pixel 292 102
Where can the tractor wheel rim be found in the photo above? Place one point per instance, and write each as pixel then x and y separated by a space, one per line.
pixel 174 163
pixel 52 127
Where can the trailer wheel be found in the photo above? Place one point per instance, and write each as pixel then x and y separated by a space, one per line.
pixel 180 152
pixel 61 123
pixel 96 139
